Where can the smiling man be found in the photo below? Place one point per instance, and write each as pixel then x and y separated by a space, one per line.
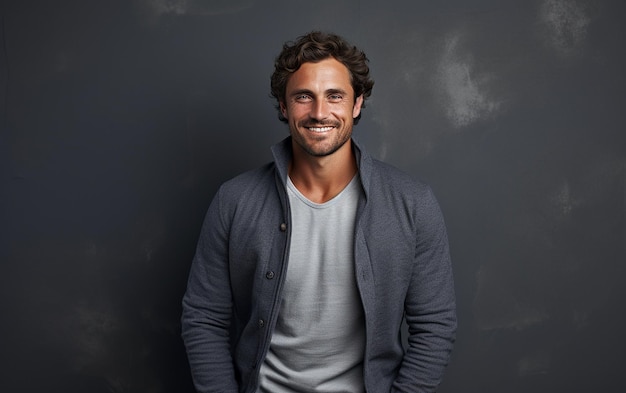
pixel 307 268
pixel 320 106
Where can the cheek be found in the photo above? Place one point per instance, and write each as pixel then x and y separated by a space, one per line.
pixel 295 112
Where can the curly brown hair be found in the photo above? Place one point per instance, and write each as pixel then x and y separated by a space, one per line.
pixel 314 47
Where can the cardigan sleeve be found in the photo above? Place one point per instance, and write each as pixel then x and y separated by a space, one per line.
pixel 207 308
pixel 430 306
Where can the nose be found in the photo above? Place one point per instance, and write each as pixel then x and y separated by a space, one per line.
pixel 320 110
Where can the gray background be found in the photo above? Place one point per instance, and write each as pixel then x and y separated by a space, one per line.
pixel 120 119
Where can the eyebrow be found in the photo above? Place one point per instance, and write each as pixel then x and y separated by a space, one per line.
pixel 326 92
pixel 336 91
pixel 301 91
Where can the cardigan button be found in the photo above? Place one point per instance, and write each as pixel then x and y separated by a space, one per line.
pixel 269 275
pixel 283 227
pixel 261 323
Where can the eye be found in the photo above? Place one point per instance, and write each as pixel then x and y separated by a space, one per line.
pixel 302 98
pixel 335 97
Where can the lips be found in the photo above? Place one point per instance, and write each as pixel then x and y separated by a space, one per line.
pixel 323 127
pixel 320 129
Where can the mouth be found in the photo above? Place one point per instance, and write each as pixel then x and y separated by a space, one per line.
pixel 320 129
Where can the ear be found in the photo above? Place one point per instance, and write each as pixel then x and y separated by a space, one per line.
pixel 358 103
pixel 283 109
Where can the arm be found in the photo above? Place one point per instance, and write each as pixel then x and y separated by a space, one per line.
pixel 207 308
pixel 430 307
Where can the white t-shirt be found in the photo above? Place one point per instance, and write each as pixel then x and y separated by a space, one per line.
pixel 319 339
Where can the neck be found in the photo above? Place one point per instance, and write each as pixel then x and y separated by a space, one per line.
pixel 322 178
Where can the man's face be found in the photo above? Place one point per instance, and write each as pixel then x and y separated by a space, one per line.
pixel 320 107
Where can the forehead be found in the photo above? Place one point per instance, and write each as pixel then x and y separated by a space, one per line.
pixel 322 75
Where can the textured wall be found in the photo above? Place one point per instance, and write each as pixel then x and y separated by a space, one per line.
pixel 120 118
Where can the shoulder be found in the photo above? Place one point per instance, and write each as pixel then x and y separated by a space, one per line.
pixel 245 196
pixel 395 193
pixel 248 190
pixel 391 189
pixel 379 176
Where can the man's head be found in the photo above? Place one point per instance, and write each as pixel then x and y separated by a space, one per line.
pixel 313 48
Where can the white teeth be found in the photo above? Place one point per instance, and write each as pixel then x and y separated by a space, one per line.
pixel 320 129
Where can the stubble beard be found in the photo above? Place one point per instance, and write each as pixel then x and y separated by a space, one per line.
pixel 326 149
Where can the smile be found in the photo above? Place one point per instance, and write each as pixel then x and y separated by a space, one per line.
pixel 320 129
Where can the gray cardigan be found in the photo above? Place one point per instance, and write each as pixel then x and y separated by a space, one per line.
pixel 402 266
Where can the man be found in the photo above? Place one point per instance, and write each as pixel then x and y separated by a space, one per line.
pixel 307 267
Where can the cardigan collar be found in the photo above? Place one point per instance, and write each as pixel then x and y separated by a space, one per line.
pixel 282 152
